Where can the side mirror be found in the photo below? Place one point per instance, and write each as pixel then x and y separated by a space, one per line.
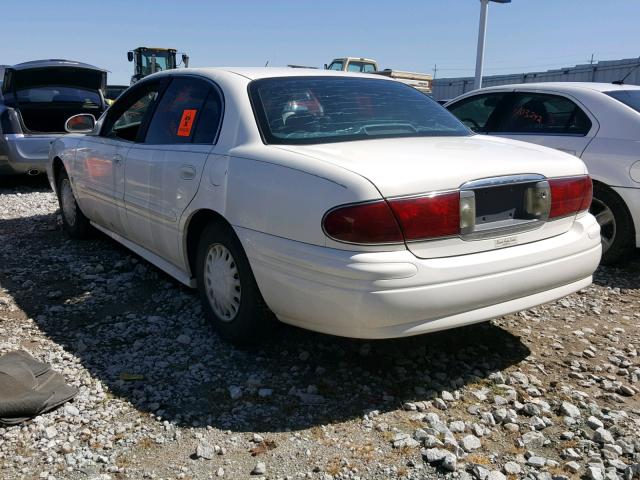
pixel 326 67
pixel 81 123
pixel 130 56
pixel 185 60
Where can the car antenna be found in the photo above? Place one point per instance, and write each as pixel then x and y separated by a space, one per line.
pixel 621 82
pixel 266 64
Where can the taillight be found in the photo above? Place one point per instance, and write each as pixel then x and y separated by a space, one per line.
pixel 8 122
pixel 363 223
pixel 396 220
pixel 432 216
pixel 570 195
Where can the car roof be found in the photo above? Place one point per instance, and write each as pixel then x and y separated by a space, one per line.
pixel 357 59
pixel 255 73
pixel 54 62
pixel 564 86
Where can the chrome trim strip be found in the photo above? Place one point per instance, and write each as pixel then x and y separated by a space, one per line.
pixel 502 180
pixel 432 193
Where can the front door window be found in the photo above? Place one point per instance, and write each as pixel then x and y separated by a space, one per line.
pixel 127 115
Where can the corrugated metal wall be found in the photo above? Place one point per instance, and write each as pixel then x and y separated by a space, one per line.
pixel 605 71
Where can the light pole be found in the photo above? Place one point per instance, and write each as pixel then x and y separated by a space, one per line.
pixel 482 30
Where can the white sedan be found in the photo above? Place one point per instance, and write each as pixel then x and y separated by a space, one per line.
pixel 598 122
pixel 337 202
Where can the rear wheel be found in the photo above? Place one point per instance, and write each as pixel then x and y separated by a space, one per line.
pixel 228 290
pixel 616 225
pixel 73 220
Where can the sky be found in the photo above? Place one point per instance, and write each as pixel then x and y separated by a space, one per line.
pixel 414 35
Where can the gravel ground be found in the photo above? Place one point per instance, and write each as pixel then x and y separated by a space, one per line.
pixel 547 393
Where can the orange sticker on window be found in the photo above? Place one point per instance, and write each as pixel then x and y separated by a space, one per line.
pixel 186 122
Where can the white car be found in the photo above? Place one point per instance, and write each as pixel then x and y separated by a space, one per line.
pixel 342 203
pixel 598 122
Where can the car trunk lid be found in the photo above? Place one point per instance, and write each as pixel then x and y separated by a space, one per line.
pixel 61 73
pixel 47 110
pixel 503 176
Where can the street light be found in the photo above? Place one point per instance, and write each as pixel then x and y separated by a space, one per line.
pixel 482 30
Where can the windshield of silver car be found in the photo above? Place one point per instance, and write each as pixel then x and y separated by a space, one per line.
pixel 309 110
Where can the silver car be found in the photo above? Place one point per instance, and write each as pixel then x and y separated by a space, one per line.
pixel 36 98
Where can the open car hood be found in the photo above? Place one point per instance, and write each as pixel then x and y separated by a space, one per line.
pixel 53 72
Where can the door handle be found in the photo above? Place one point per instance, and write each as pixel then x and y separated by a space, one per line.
pixel 187 172
pixel 117 159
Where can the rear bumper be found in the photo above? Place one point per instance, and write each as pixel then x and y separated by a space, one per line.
pixel 631 197
pixel 21 153
pixel 395 294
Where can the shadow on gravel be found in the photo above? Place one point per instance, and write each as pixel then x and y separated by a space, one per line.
pixel 23 184
pixel 624 275
pixel 143 336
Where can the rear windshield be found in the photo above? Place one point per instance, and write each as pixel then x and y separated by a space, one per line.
pixel 631 98
pixel 58 95
pixel 309 110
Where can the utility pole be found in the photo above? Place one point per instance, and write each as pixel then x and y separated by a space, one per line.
pixel 482 30
pixel 591 61
pixel 435 71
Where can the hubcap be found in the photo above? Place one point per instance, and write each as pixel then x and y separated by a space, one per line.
pixel 222 282
pixel 68 202
pixel 607 222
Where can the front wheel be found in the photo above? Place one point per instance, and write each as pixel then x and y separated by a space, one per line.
pixel 74 221
pixel 228 290
pixel 616 225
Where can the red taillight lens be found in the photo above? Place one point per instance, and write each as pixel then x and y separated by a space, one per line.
pixel 419 218
pixel 570 195
pixel 364 223
pixel 427 217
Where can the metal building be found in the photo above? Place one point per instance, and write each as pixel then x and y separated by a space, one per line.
pixel 605 71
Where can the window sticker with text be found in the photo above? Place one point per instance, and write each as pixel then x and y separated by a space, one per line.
pixel 186 122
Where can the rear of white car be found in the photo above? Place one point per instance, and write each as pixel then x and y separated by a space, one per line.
pixel 437 267
pixel 463 229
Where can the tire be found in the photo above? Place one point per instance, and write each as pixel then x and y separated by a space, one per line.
pixel 228 290
pixel 74 222
pixel 616 225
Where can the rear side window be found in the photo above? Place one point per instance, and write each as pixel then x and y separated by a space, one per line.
pixel 209 122
pixel 631 98
pixel 477 112
pixel 188 112
pixel 544 114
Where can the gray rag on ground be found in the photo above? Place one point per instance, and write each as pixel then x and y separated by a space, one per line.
pixel 29 387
